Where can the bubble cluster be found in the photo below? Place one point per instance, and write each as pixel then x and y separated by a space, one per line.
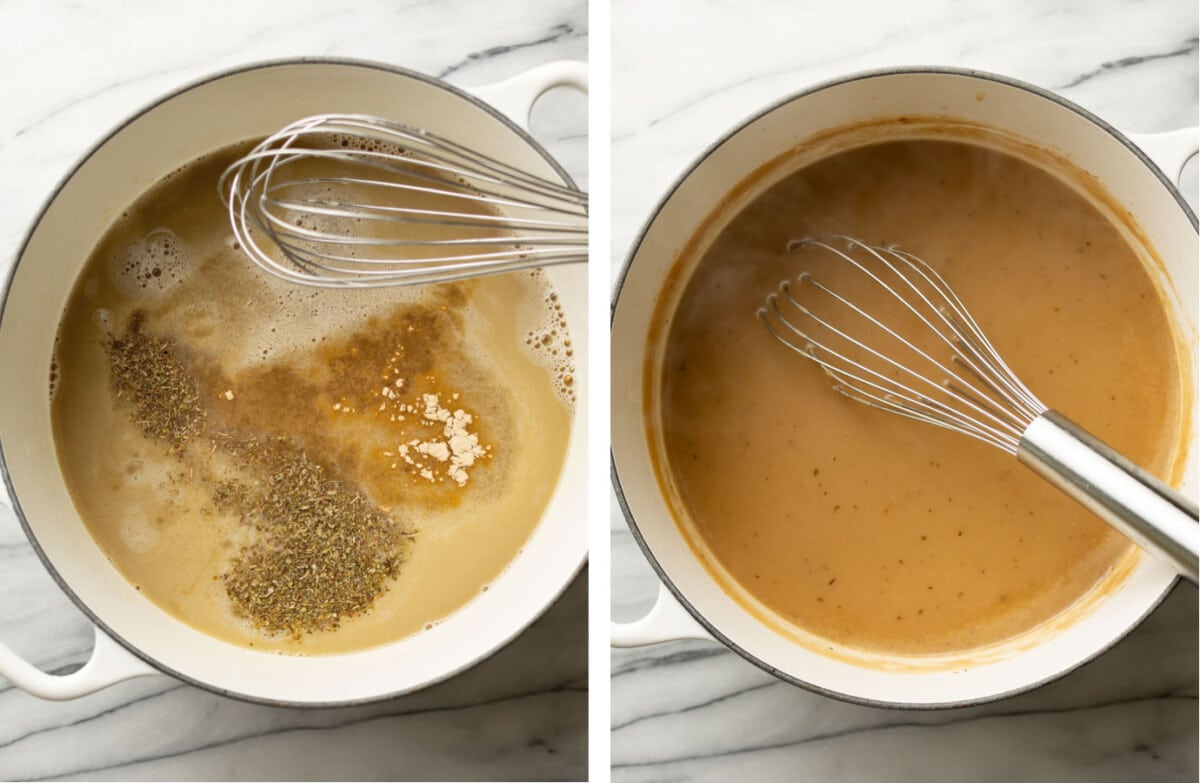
pixel 329 225
pixel 355 143
pixel 151 266
pixel 139 534
pixel 103 319
pixel 142 525
pixel 54 371
pixel 275 317
pixel 364 144
pixel 550 342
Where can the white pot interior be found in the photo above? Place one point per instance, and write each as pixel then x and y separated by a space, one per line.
pixel 1017 111
pixel 200 119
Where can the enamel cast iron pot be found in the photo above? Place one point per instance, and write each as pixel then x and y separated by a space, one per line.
pixel 133 636
pixel 1137 174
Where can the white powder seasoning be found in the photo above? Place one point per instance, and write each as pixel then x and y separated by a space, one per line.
pixel 449 455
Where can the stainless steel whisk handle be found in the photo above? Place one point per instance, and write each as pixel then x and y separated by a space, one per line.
pixel 1148 511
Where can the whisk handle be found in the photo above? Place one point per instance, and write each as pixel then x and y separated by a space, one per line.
pixel 1148 511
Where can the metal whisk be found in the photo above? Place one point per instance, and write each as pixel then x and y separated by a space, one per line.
pixel 930 361
pixel 359 201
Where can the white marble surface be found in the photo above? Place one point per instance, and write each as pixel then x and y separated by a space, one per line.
pixel 683 73
pixel 69 72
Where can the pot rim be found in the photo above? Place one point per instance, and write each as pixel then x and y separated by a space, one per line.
pixel 618 490
pixel 237 70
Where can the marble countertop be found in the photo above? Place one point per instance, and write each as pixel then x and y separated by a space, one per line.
pixel 683 73
pixel 70 72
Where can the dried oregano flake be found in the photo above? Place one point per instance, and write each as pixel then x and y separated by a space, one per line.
pixel 324 551
pixel 147 373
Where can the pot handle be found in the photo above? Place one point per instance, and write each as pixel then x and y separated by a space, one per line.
pixel 109 664
pixel 515 96
pixel 667 621
pixel 1169 150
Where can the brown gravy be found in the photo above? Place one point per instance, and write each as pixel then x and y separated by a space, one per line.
pixel 879 533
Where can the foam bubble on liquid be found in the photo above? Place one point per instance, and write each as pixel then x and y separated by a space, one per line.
pixel 360 144
pixel 275 317
pixel 152 266
pixel 138 533
pixel 54 365
pixel 331 196
pixel 284 317
pixel 550 341
pixel 103 319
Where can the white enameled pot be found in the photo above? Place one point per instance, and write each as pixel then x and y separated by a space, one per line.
pixel 1136 173
pixel 133 636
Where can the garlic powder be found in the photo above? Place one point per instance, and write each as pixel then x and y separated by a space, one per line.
pixel 450 455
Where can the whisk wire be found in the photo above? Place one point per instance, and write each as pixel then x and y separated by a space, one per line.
pixel 949 383
pixel 951 421
pixel 435 148
pixel 896 397
pixel 368 210
pixel 355 201
pixel 888 360
pixel 423 152
pixel 981 398
pixel 969 338
pixel 413 170
pixel 973 392
pixel 965 335
pixel 956 338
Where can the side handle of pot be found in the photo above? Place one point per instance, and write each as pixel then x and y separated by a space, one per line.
pixel 515 97
pixel 1169 150
pixel 667 621
pixel 109 664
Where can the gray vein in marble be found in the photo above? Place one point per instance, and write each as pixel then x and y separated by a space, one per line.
pixel 1189 47
pixel 901 725
pixel 681 656
pixel 276 30
pixel 94 94
pixel 112 710
pixel 559 32
pixel 299 729
pixel 758 77
pixel 931 30
pixel 692 707
pixel 338 43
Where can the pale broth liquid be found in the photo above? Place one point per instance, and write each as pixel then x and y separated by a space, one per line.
pixel 876 532
pixel 346 376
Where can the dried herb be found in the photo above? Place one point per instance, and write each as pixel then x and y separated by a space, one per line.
pixel 321 552
pixel 324 552
pixel 147 373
